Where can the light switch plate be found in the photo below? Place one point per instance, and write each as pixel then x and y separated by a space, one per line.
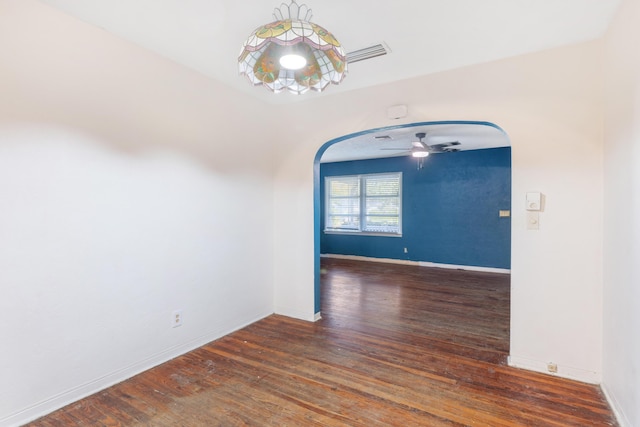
pixel 534 201
pixel 533 220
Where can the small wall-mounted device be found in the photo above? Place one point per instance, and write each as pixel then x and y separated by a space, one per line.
pixel 534 205
pixel 534 201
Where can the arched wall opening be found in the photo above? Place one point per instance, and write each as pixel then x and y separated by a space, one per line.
pixel 500 134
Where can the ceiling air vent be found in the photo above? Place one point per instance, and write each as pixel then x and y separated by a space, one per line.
pixel 367 53
pixel 382 137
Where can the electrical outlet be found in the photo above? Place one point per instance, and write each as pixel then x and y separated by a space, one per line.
pixel 176 318
pixel 552 367
pixel 406 251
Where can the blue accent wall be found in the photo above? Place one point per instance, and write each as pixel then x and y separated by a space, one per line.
pixel 449 209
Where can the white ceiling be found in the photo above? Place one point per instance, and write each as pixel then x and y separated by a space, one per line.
pixel 424 36
pixel 384 143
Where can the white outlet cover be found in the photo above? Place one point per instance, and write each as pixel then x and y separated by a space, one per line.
pixel 176 318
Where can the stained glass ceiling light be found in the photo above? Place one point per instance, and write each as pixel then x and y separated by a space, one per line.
pixel 292 53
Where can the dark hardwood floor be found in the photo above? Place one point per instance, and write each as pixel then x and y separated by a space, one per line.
pixel 397 346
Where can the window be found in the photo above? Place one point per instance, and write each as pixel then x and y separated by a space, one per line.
pixel 364 203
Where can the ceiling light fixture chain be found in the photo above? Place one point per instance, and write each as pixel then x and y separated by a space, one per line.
pixel 292 53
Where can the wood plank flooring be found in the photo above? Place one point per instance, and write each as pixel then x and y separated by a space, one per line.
pixel 397 346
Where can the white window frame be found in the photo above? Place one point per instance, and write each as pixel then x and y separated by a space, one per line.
pixel 361 227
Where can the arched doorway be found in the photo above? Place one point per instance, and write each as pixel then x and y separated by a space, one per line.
pixel 470 135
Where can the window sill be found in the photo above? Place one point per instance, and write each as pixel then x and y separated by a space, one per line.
pixel 361 233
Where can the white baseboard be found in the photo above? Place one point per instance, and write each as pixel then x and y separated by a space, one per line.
pixel 623 421
pixel 67 397
pixel 317 316
pixel 568 372
pixel 571 373
pixel 419 263
pixel 296 313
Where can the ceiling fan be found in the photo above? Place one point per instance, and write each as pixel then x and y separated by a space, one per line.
pixel 422 149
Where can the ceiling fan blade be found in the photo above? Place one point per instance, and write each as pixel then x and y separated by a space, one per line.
pixel 398 154
pixel 444 145
pixel 395 149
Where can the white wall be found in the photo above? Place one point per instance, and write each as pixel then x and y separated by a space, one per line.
pixel 550 104
pixel 125 193
pixel 622 216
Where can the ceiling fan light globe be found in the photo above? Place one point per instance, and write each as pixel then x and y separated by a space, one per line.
pixel 420 153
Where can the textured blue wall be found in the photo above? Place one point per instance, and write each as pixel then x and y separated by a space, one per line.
pixel 450 209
